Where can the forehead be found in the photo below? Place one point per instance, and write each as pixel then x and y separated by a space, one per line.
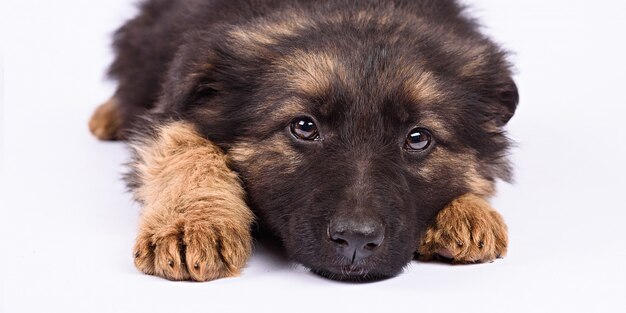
pixel 371 64
pixel 369 85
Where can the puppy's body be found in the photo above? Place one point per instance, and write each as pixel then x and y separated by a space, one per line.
pixel 353 201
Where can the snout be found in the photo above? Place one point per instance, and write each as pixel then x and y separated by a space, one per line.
pixel 360 247
pixel 356 239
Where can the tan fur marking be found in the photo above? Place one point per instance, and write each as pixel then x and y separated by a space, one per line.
pixel 268 32
pixel 312 73
pixel 244 152
pixel 106 120
pixel 424 88
pixel 195 223
pixel 252 38
pixel 286 109
pixel 464 164
pixel 479 185
pixel 477 59
pixel 379 17
pixel 435 124
pixel 440 159
pixel 467 230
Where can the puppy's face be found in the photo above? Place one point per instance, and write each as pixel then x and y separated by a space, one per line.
pixel 349 146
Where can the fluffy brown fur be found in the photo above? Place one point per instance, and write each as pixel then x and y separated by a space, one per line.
pixel 467 230
pixel 195 223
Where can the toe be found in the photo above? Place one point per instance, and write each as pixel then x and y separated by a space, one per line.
pixel 144 254
pixel 235 249
pixel 169 261
pixel 202 256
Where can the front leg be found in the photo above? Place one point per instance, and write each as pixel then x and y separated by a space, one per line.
pixel 195 223
pixel 467 230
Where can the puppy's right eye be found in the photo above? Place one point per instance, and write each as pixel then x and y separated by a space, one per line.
pixel 304 128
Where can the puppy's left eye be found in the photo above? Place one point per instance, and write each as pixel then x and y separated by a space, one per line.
pixel 418 140
pixel 304 128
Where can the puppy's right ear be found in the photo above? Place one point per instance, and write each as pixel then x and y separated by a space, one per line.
pixel 190 80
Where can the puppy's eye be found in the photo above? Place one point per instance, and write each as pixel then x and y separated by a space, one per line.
pixel 418 140
pixel 304 128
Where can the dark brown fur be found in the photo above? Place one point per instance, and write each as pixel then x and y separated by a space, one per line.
pixel 239 72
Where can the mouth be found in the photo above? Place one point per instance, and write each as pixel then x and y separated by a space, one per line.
pixel 350 273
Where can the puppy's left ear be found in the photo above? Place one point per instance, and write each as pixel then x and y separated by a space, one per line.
pixel 506 98
pixel 493 80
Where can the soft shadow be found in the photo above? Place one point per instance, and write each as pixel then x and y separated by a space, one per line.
pixel 441 260
pixel 270 246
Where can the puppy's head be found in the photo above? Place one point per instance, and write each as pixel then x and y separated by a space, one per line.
pixel 351 133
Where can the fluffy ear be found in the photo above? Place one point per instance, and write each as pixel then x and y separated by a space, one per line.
pixel 189 80
pixel 507 98
pixel 490 74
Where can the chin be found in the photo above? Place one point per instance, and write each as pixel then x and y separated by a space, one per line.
pixel 352 274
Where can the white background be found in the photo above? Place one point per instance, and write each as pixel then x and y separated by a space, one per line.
pixel 67 225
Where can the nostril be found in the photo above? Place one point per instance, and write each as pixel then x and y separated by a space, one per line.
pixel 340 241
pixel 371 246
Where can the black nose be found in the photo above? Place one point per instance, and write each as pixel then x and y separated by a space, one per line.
pixel 356 239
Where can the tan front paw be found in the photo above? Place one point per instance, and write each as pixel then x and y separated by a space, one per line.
pixel 467 230
pixel 187 249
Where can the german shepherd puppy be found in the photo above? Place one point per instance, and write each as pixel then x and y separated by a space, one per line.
pixel 359 132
